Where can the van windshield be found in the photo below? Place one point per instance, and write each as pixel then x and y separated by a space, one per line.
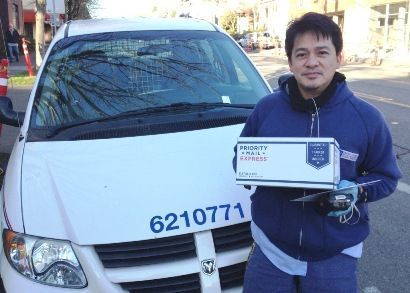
pixel 96 76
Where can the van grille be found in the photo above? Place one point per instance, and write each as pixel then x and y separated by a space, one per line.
pixel 232 237
pixel 232 276
pixel 174 248
pixel 146 252
pixel 185 283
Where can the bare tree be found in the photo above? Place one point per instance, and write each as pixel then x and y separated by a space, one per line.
pixel 40 14
pixel 72 8
pixel 79 9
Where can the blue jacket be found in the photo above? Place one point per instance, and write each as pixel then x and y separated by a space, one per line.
pixel 300 230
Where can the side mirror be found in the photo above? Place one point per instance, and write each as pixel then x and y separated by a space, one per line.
pixel 7 115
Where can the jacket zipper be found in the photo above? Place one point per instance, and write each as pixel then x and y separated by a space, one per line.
pixel 311 124
pixel 304 192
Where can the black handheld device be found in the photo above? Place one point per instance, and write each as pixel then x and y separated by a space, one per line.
pixel 340 201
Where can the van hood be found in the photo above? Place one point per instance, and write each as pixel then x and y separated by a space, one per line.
pixel 134 188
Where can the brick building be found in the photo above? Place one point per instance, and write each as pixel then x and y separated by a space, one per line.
pixel 11 11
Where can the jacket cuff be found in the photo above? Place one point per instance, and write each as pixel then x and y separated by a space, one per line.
pixel 362 194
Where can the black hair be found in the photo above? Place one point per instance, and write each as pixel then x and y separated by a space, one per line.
pixel 317 23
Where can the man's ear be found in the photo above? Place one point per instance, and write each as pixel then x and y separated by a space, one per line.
pixel 340 59
pixel 290 64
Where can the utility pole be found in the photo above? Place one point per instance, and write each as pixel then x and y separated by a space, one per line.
pixel 407 31
pixel 386 27
pixel 40 15
pixel 53 19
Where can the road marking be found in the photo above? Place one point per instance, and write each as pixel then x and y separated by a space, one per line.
pixel 371 290
pixel 381 99
pixel 360 94
pixel 403 187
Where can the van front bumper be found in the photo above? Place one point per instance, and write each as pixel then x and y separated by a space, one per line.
pixel 113 280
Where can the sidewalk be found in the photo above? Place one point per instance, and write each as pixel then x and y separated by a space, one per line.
pixel 21 67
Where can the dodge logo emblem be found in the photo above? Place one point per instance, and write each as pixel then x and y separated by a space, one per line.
pixel 208 266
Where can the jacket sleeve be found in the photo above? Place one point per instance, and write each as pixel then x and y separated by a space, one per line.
pixel 379 163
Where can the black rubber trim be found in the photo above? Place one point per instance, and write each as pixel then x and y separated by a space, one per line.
pixel 66 29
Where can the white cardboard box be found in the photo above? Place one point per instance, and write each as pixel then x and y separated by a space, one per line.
pixel 288 162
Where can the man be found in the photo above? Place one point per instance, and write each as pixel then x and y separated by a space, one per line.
pixel 13 39
pixel 310 247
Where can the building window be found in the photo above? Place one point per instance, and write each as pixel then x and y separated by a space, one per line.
pixel 382 21
pixel 392 11
pixel 275 6
pixel 15 17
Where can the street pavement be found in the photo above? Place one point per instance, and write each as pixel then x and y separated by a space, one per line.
pixel 21 66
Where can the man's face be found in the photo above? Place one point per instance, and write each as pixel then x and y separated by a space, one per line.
pixel 313 62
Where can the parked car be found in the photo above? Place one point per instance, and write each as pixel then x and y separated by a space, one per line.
pixel 266 41
pixel 251 40
pixel 243 42
pixel 254 40
pixel 121 178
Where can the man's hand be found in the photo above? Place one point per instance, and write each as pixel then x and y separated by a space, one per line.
pixel 351 191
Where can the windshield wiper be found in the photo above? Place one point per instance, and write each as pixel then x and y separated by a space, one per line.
pixel 220 104
pixel 166 108
pixel 182 106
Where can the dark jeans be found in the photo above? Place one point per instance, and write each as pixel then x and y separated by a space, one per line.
pixel 333 275
pixel 13 52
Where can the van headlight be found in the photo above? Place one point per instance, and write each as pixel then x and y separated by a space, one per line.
pixel 48 261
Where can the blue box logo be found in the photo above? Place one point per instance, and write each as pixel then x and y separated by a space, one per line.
pixel 317 154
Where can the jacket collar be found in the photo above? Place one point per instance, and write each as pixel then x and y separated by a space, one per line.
pixel 298 103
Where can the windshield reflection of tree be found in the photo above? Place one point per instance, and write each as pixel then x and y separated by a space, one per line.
pixel 92 83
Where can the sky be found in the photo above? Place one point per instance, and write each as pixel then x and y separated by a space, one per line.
pixel 129 8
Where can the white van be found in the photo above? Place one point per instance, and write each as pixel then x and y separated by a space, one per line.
pixel 121 178
pixel 266 41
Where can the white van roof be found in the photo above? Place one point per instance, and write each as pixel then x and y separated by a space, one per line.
pixel 91 26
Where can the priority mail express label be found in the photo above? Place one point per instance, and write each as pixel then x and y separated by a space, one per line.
pixel 288 162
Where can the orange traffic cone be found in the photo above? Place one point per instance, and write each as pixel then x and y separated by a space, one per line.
pixel 27 57
pixel 4 63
